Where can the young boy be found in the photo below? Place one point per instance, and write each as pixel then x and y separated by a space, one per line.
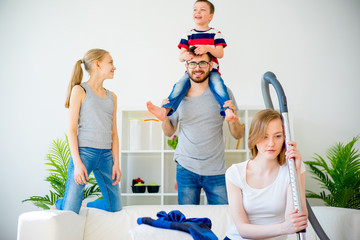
pixel 205 39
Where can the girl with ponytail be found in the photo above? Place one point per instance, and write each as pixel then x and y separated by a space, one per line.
pixel 93 136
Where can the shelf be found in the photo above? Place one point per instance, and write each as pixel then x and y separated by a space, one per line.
pixel 236 151
pixel 169 151
pixel 226 151
pixel 141 151
pixel 144 153
pixel 140 194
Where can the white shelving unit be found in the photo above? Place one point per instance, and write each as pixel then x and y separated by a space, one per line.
pixel 144 153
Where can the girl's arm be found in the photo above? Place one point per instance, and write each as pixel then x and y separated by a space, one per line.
pixel 77 97
pixel 116 173
pixel 217 52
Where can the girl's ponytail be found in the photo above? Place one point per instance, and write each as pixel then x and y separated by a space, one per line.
pixel 77 74
pixel 76 78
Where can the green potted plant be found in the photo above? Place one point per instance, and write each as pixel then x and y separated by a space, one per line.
pixel 58 159
pixel 173 142
pixel 339 176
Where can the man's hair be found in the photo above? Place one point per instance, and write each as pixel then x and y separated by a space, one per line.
pixel 192 51
pixel 212 7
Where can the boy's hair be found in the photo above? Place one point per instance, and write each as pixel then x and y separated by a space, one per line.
pixel 212 7
pixel 192 51
pixel 77 74
pixel 258 128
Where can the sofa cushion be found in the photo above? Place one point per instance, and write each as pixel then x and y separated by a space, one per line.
pixel 146 232
pixel 93 224
pixel 105 225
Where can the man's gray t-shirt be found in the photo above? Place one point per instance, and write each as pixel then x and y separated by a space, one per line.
pixel 200 148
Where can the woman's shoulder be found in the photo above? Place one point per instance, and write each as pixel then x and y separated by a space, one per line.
pixel 237 168
pixel 239 165
pixel 237 173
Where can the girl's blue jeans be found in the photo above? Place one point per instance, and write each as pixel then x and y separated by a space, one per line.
pixel 190 184
pixel 181 88
pixel 101 162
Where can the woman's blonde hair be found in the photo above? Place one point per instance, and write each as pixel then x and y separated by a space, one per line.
pixel 77 74
pixel 258 128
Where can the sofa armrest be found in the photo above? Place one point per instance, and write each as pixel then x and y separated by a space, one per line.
pixel 339 223
pixel 51 225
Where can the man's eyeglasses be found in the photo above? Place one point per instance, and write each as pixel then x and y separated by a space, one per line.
pixel 201 64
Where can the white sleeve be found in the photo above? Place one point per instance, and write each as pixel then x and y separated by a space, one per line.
pixel 234 176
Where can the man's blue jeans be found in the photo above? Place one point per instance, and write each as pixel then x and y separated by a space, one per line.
pixel 181 88
pixel 101 162
pixel 190 184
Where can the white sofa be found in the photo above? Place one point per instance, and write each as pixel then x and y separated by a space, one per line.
pixel 93 224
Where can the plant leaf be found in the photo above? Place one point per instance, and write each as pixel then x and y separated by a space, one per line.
pixel 58 160
pixel 341 178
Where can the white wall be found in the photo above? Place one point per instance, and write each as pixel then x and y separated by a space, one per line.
pixel 312 46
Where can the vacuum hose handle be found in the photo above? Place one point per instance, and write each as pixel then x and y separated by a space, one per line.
pixel 270 78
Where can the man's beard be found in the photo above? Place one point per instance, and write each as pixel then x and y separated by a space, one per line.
pixel 201 79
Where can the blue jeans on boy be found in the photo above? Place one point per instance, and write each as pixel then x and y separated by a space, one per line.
pixel 190 184
pixel 101 162
pixel 181 88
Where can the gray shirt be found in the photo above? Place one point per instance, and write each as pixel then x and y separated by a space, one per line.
pixel 200 147
pixel 95 120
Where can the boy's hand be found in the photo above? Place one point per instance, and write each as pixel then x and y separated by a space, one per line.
pixel 200 50
pixel 187 56
pixel 165 101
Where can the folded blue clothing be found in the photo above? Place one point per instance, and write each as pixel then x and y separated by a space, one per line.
pixel 199 228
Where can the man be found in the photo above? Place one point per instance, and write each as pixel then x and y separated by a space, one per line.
pixel 200 150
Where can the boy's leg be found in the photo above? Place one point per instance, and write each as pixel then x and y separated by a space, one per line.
pixel 219 89
pixel 188 186
pixel 215 189
pixel 73 192
pixel 111 193
pixel 177 94
pixel 158 112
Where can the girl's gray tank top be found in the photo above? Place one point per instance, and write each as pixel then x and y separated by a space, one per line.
pixel 95 120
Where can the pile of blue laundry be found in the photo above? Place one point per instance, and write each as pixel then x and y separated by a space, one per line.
pixel 199 228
